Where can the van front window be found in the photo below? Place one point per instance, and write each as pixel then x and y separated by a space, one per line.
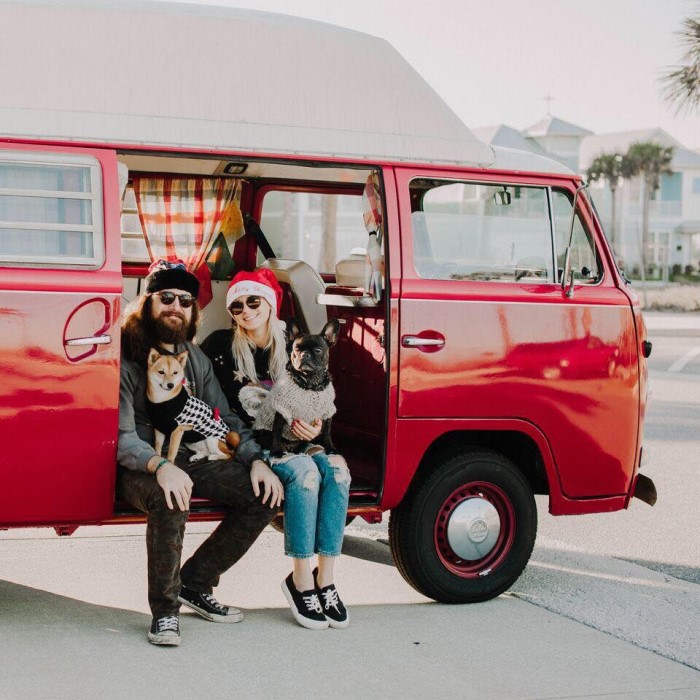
pixel 476 231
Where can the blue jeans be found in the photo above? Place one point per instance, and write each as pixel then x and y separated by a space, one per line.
pixel 316 493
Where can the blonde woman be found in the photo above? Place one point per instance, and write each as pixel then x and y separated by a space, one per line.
pixel 316 489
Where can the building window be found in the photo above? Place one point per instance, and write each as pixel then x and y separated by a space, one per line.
pixel 696 185
pixel 50 210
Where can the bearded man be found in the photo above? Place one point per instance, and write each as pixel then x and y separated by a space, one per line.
pixel 165 318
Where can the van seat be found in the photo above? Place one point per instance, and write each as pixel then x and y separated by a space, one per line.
pixel 305 284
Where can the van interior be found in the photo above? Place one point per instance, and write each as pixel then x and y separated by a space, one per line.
pixel 307 222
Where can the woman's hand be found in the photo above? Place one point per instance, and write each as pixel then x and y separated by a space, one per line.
pixel 260 473
pixel 306 431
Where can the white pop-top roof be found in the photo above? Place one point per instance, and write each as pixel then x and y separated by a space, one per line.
pixel 216 78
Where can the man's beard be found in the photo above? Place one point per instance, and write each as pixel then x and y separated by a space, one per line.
pixel 167 334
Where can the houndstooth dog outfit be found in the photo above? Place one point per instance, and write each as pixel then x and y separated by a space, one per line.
pixel 184 409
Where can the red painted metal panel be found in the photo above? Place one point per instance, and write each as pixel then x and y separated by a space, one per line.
pixel 59 403
pixel 527 352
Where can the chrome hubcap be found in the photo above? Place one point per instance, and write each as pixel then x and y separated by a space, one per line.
pixel 473 528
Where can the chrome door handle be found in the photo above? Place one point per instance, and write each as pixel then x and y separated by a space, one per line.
pixel 413 341
pixel 93 340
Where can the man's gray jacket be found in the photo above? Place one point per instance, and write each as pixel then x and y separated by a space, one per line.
pixel 136 435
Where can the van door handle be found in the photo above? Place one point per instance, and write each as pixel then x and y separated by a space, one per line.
pixel 414 341
pixel 93 340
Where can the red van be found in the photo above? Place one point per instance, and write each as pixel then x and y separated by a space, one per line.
pixel 490 350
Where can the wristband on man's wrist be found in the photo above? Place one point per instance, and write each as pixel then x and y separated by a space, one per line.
pixel 159 465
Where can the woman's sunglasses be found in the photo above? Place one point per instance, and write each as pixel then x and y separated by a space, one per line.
pixel 167 298
pixel 236 307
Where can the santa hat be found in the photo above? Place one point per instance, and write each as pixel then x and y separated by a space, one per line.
pixel 171 275
pixel 261 283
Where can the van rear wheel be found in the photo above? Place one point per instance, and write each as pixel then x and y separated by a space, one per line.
pixel 464 532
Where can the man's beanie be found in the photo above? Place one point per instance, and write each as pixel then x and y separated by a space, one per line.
pixel 261 283
pixel 171 275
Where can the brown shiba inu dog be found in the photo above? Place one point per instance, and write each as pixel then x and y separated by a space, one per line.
pixel 175 413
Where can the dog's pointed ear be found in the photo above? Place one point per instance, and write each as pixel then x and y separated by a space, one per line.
pixel 331 331
pixel 293 329
pixel 182 358
pixel 153 356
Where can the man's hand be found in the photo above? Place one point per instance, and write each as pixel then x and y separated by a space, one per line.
pixel 306 431
pixel 175 482
pixel 260 473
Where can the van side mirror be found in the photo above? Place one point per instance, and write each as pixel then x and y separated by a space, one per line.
pixel 567 275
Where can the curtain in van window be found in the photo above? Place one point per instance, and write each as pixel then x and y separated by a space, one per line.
pixel 181 218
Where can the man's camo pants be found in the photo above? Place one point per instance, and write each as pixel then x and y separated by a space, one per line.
pixel 226 481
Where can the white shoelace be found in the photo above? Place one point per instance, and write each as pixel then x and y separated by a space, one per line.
pixel 330 599
pixel 166 624
pixel 313 603
pixel 215 603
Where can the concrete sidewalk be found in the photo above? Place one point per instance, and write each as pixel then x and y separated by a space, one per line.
pixel 73 622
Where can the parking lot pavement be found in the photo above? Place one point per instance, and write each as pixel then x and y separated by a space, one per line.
pixel 73 621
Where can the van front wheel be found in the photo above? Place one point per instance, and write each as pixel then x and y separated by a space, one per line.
pixel 464 532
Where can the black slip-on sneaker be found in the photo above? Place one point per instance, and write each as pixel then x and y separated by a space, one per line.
pixel 208 607
pixel 305 606
pixel 165 631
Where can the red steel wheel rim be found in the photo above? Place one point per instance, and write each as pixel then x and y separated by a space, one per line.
pixel 506 512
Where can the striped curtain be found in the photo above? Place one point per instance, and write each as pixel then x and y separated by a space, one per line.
pixel 181 218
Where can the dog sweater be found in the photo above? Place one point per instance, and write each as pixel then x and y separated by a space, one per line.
pixel 184 409
pixel 292 401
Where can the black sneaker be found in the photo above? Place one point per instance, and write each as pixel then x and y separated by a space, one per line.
pixel 333 608
pixel 165 631
pixel 208 607
pixel 305 606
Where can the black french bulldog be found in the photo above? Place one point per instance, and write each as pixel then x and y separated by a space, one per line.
pixel 304 392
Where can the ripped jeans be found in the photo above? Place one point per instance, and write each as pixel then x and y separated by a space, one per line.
pixel 316 493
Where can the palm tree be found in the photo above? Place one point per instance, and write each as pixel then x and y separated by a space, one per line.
pixel 683 83
pixel 650 160
pixel 609 167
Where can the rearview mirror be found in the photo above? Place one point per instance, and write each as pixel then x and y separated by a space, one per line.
pixel 501 198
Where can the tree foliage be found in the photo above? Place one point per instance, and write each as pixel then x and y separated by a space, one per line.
pixel 683 83
pixel 650 160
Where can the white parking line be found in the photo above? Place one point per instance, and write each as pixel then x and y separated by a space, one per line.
pixel 681 362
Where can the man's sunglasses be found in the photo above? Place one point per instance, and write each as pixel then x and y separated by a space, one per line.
pixel 167 298
pixel 236 307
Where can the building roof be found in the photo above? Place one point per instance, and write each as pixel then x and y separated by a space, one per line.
pixel 619 142
pixel 553 126
pixel 507 136
pixel 216 78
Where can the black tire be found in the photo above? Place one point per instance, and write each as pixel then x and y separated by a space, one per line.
pixel 418 528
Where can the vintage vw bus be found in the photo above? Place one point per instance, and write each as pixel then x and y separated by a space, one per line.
pixel 490 349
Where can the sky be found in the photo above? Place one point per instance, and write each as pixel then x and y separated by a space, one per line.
pixel 495 61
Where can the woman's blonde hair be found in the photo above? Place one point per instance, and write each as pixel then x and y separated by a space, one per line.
pixel 243 349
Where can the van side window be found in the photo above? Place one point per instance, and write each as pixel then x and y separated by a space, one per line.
pixel 584 259
pixel 315 227
pixel 50 210
pixel 486 232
